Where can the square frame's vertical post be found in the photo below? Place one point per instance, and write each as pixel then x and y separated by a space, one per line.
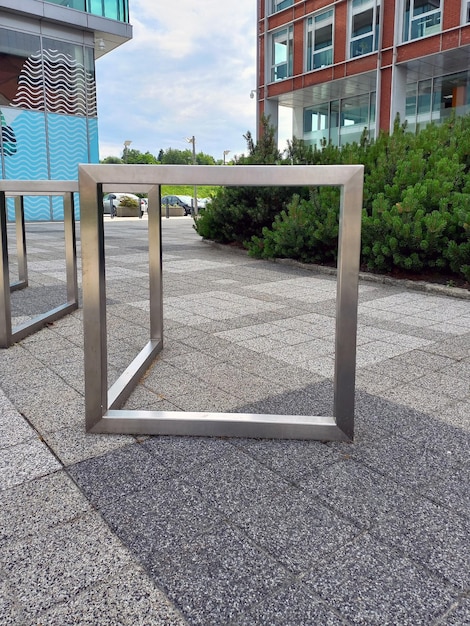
pixel 349 240
pixel 94 292
pixel 103 413
pixel 5 303
pixel 20 245
pixel 155 264
pixel 70 248
pixel 122 388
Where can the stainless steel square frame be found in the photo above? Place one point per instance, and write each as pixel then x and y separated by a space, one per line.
pixel 102 406
pixel 18 189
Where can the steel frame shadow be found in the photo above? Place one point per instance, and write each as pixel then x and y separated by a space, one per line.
pixel 102 406
pixel 18 189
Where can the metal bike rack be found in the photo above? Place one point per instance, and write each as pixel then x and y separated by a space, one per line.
pixel 21 253
pixel 18 189
pixel 102 406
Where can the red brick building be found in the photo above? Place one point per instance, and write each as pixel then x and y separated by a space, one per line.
pixel 347 65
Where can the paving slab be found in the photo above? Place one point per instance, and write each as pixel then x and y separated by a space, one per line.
pixel 115 529
pixel 363 582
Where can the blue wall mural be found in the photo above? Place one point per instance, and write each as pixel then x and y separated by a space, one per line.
pixel 48 117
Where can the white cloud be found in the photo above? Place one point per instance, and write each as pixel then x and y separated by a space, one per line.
pixel 188 71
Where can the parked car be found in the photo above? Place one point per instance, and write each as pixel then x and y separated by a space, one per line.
pixel 185 202
pixel 202 202
pixel 116 198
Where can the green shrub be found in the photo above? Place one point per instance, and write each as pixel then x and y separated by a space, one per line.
pixel 235 214
pixel 127 201
pixel 306 231
pixel 416 211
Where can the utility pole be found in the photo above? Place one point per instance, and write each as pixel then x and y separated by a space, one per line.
pixel 193 141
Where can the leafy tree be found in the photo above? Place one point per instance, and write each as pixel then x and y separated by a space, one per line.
pixel 204 159
pixel 169 156
pixel 111 160
pixel 136 157
pixel 172 156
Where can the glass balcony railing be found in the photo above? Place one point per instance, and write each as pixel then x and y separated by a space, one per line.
pixel 363 45
pixel 426 26
pixel 322 59
pixel 113 9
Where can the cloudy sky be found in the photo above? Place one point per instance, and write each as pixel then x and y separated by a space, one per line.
pixel 188 71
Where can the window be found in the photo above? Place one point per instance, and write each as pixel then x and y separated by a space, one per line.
pixel 467 12
pixel 435 99
pixel 278 5
pixel 422 19
pixel 113 9
pixel 282 54
pixel 15 50
pixel 365 20
pixel 72 4
pixel 357 114
pixel 320 40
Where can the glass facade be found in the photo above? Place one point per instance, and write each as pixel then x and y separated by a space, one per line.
pixel 435 99
pixel 48 112
pixel 113 9
pixel 340 121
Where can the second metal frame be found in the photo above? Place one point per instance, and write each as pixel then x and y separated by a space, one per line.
pixel 103 413
pixel 19 189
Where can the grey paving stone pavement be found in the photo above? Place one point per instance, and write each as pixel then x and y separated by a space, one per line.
pixel 116 529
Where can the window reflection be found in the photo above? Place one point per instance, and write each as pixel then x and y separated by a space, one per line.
pixel 112 9
pixel 340 121
pixel 435 99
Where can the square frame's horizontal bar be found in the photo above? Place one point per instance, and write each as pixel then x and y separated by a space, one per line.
pixel 102 406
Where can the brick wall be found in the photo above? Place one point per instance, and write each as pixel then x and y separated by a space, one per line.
pixel 452 14
pixel 341 29
pixel 452 36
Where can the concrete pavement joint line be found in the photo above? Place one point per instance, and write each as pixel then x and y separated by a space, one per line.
pixel 243 532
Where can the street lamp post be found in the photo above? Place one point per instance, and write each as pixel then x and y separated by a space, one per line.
pixel 225 154
pixel 193 141
pixel 127 143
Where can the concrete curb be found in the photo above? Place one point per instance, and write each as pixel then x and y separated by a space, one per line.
pixel 413 285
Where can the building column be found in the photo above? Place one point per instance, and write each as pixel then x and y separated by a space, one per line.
pixel 271 109
pixel 398 95
pixel 298 122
